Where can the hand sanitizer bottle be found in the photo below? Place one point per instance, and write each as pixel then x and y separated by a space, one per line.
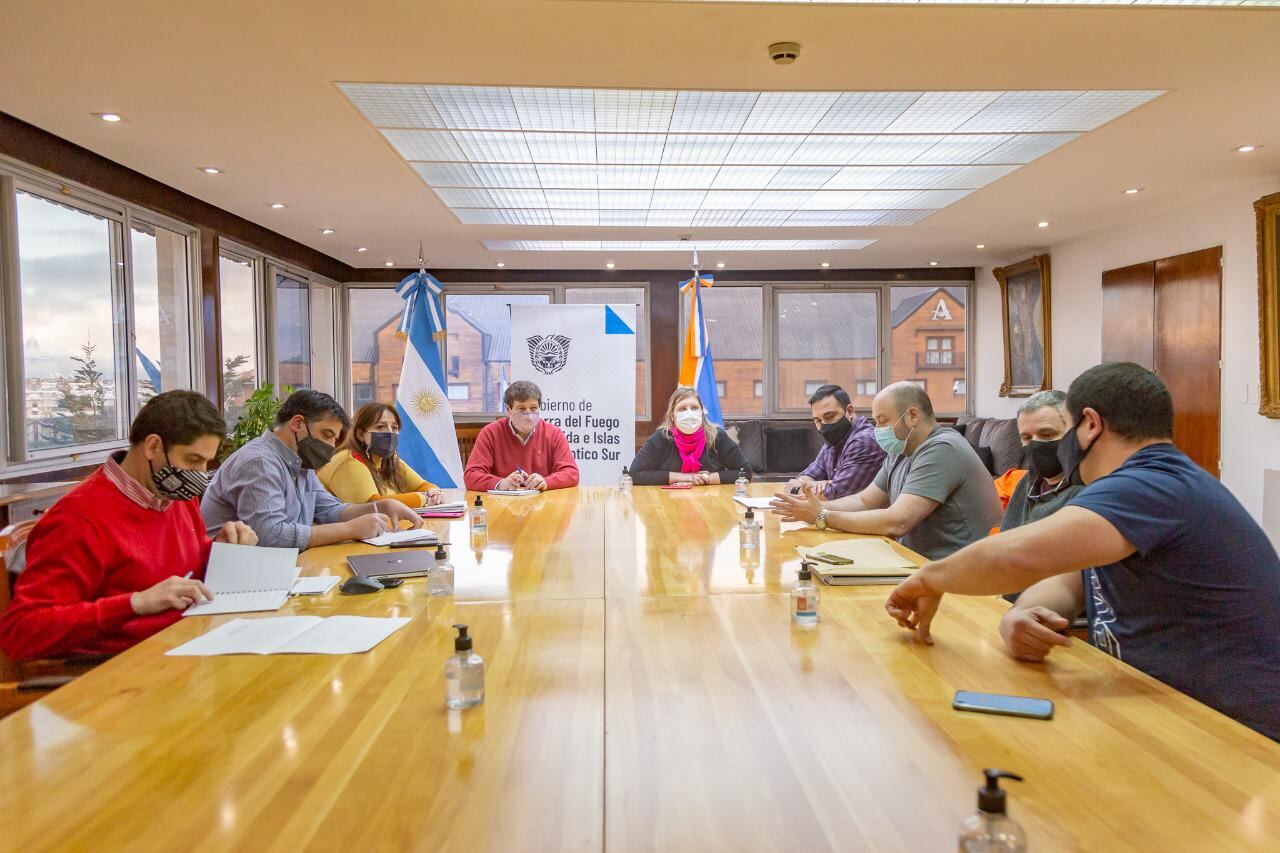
pixel 740 484
pixel 624 482
pixel 440 578
pixel 463 674
pixel 479 517
pixel 804 599
pixel 749 530
pixel 991 829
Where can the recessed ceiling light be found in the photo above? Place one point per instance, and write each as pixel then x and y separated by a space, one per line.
pixel 609 265
pixel 1133 191
pixel 211 170
pixel 825 264
pixel 1042 224
pixel 111 117
pixel 501 264
pixel 981 246
pixel 388 263
pixel 326 231
pixel 1243 149
pixel 362 249
pixel 933 263
pixel 720 265
pixel 276 205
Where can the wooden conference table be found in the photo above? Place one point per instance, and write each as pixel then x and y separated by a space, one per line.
pixel 645 691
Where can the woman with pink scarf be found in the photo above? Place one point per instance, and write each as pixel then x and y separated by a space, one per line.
pixel 688 449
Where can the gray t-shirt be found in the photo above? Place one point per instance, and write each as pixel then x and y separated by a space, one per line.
pixel 947 470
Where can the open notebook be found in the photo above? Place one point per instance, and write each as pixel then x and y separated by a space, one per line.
pixel 283 635
pixel 246 578
pixel 874 562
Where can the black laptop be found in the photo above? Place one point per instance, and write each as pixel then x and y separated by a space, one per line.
pixel 405 563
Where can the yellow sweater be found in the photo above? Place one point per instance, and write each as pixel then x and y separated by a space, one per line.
pixel 348 478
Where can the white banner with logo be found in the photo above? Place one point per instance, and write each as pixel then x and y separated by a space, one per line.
pixel 583 357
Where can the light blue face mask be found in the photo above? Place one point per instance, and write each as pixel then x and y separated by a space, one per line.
pixel 888 439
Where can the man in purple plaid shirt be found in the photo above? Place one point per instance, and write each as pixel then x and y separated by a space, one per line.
pixel 849 462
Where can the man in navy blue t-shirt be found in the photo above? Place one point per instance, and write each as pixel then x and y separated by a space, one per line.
pixel 1178 581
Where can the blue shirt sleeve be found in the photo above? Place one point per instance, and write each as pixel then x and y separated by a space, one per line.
pixel 1143 505
pixel 328 507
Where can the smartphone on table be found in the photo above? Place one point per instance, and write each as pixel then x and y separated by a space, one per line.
pixel 1008 706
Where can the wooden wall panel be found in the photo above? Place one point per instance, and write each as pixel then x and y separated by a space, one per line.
pixel 1188 349
pixel 1128 314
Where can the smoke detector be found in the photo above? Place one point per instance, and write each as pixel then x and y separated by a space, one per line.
pixel 784 52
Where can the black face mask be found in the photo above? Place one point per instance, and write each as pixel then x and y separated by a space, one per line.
pixel 834 433
pixel 383 444
pixel 313 452
pixel 1070 455
pixel 1041 458
pixel 178 484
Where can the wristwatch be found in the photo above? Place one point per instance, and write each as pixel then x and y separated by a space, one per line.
pixel 821 521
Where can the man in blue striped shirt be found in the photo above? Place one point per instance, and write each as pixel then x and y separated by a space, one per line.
pixel 851 458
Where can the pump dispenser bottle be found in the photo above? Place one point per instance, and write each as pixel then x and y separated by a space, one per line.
pixel 991 830
pixel 624 482
pixel 804 599
pixel 463 674
pixel 749 530
pixel 740 484
pixel 479 517
pixel 440 578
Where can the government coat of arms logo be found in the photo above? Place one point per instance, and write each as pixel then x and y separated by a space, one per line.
pixel 548 353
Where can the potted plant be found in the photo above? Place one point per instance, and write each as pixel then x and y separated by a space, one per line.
pixel 257 416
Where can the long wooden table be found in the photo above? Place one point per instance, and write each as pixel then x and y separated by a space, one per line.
pixel 645 691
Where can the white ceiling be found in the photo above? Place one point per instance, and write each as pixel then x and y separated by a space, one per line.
pixel 502 155
pixel 253 88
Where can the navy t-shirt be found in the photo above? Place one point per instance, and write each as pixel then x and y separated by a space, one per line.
pixel 1198 604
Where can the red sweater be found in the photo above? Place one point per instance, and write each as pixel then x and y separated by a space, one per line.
pixel 498 453
pixel 91 551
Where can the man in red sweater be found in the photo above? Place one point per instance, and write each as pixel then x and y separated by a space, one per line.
pixel 120 556
pixel 521 451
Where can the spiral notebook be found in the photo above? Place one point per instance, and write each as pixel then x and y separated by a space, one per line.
pixel 247 579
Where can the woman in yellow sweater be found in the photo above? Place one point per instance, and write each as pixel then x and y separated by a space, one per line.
pixel 367 468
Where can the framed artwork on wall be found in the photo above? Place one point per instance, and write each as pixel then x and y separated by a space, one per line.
pixel 1024 308
pixel 1267 209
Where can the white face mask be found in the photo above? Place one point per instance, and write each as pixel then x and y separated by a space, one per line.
pixel 689 421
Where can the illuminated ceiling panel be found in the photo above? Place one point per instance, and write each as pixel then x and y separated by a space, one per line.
pixel 601 157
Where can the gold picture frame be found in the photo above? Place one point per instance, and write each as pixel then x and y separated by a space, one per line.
pixel 1267 209
pixel 1025 314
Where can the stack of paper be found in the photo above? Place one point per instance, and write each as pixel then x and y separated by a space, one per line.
pixel 517 493
pixel 418 537
pixel 449 509
pixel 283 635
pixel 247 578
pixel 754 503
pixel 874 561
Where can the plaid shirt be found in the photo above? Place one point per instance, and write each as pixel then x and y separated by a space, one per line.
pixel 133 490
pixel 849 468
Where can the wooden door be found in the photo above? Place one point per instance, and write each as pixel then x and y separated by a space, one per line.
pixel 1128 314
pixel 1188 349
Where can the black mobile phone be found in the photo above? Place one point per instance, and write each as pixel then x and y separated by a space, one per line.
pixel 390 583
pixel 412 543
pixel 1009 706
pixel 832 559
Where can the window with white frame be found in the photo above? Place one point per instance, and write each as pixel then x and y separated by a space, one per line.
pixel 786 336
pixel 101 317
pixel 240 320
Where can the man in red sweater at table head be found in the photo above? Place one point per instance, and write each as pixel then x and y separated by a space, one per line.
pixel 521 451
pixel 120 556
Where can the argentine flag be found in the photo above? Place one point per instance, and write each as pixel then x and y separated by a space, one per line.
pixel 428 443
pixel 697 370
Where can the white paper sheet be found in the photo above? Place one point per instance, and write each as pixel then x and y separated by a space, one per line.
pixel 515 493
pixel 448 506
pixel 318 585
pixel 240 602
pixel 754 503
pixel 425 536
pixel 337 635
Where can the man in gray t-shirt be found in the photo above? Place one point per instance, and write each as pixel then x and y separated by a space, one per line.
pixel 932 493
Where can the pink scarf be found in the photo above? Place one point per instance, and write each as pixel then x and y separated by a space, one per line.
pixel 690 448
